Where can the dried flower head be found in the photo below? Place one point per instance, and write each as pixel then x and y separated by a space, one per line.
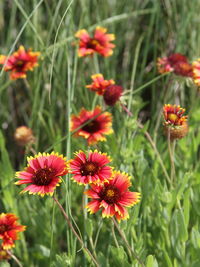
pixel 20 62
pixel 9 229
pixel 112 94
pixel 113 197
pixel 24 136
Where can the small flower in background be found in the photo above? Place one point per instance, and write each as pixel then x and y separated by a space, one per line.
pixel 9 228
pixel 99 84
pixel 91 168
pixel 24 136
pixel 196 72
pixel 100 43
pixel 43 173
pixel 95 130
pixel 112 94
pixel 113 197
pixel 175 123
pixel 176 63
pixel 4 254
pixel 20 62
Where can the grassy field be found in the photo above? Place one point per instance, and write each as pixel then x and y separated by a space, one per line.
pixel 164 227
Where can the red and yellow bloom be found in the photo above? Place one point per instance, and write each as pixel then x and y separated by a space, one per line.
pixel 99 84
pixel 95 130
pixel 43 173
pixel 100 43
pixel 112 94
pixel 176 63
pixel 9 229
pixel 175 123
pixel 20 62
pixel 113 197
pixel 91 168
pixel 196 72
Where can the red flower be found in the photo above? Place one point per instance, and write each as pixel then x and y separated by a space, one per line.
pixel 100 43
pixel 196 72
pixel 91 168
pixel 175 123
pixel 99 84
pixel 112 94
pixel 176 63
pixel 43 173
pixel 20 62
pixel 9 228
pixel 113 197
pixel 95 130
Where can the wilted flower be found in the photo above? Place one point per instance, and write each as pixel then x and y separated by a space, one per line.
pixel 94 130
pixel 91 168
pixel 175 123
pixel 20 62
pixel 100 43
pixel 9 228
pixel 112 94
pixel 113 197
pixel 176 63
pixel 43 173
pixel 24 136
pixel 99 84
pixel 196 72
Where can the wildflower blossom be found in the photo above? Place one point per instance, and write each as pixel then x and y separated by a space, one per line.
pixel 99 84
pixel 113 197
pixel 196 72
pixel 112 94
pixel 9 228
pixel 24 136
pixel 175 123
pixel 100 43
pixel 176 63
pixel 96 129
pixel 20 62
pixel 91 168
pixel 43 173
pixel 4 254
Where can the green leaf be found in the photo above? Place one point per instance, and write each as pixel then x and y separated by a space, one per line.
pixel 151 261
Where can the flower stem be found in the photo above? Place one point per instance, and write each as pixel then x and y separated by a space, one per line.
pixel 130 250
pixel 171 148
pixel 75 233
pixel 14 258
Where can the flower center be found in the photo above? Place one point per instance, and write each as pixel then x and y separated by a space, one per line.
pixel 44 176
pixel 92 44
pixel 110 194
pixel 89 168
pixel 172 117
pixel 92 127
pixel 4 228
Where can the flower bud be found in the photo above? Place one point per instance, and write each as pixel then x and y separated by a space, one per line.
pixel 112 94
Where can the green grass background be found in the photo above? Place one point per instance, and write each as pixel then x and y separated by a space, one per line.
pixel 163 228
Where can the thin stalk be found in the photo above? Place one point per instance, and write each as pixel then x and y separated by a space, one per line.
pixel 75 233
pixel 130 250
pixel 14 258
pixel 171 148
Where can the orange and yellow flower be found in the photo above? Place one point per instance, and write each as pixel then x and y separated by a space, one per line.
pixel 20 62
pixel 99 84
pixel 113 197
pixel 91 168
pixel 9 229
pixel 196 72
pixel 176 63
pixel 99 124
pixel 100 43
pixel 43 173
pixel 175 123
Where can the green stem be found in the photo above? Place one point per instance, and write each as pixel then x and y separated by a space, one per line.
pixel 171 148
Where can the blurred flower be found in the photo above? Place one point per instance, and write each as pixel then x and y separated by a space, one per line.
pixel 196 72
pixel 4 254
pixel 99 43
pixel 113 197
pixel 20 62
pixel 175 123
pixel 112 94
pixel 99 84
pixel 24 136
pixel 9 228
pixel 176 63
pixel 94 130
pixel 43 173
pixel 91 168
